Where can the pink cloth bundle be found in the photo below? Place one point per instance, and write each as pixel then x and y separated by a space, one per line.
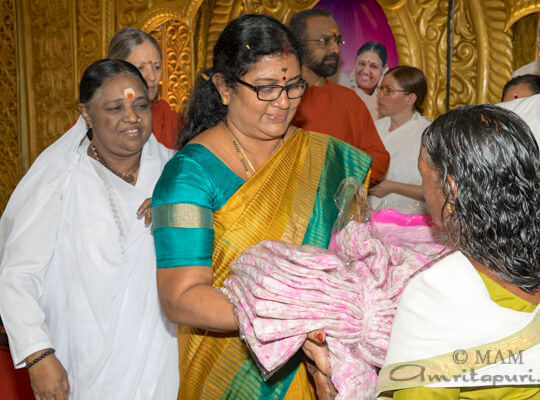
pixel 282 291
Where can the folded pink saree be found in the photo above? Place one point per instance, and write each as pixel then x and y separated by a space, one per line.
pixel 281 292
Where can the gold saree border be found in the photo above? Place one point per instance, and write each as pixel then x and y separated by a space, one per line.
pixel 411 374
pixel 182 215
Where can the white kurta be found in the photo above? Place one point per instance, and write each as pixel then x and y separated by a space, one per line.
pixel 531 68
pixel 403 144
pixel 527 108
pixel 78 274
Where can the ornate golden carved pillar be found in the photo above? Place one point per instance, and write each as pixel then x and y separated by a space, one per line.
pixel 482 59
pixel 517 9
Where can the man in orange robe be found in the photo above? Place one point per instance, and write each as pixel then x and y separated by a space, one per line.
pixel 327 107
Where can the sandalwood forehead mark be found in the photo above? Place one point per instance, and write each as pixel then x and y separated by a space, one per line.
pixel 129 93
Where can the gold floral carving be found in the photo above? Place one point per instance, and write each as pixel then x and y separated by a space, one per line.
pixel 9 138
pixel 482 51
pixel 177 52
pixel 517 9
pixel 227 10
pixel 172 24
pixel 50 66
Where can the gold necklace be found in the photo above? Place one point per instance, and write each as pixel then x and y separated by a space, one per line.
pixel 128 176
pixel 241 154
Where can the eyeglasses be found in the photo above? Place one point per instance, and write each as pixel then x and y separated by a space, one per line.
pixel 388 90
pixel 273 92
pixel 326 41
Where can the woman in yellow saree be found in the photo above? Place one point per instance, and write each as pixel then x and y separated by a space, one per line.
pixel 244 175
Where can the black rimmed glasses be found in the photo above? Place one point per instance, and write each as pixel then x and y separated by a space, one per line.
pixel 273 92
pixel 388 90
pixel 327 40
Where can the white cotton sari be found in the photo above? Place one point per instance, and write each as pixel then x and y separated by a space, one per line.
pixel 78 274
pixel 449 333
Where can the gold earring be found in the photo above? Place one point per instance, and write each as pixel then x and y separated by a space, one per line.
pixel 225 101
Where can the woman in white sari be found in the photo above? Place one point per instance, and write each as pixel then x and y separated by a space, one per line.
pixel 400 97
pixel 78 293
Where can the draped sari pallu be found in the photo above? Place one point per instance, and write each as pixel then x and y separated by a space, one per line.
pixel 289 198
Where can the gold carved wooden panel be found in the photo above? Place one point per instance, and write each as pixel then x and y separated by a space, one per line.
pixel 175 40
pixel 227 10
pixel 49 71
pixel 10 156
pixel 482 51
pixel 517 9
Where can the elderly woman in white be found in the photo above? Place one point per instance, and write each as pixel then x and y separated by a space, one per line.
pixel 78 293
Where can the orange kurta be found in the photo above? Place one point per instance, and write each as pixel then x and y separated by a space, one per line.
pixel 166 124
pixel 339 112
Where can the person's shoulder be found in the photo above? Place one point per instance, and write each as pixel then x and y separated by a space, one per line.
pixel 450 271
pixel 191 157
pixel 161 105
pixel 184 174
pixel 159 150
pixel 382 124
pixel 349 97
pixel 531 68
pixel 421 121
pixel 343 90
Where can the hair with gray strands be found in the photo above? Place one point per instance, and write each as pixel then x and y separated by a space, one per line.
pixel 126 40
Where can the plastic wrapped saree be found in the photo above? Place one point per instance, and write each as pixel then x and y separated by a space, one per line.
pixel 290 198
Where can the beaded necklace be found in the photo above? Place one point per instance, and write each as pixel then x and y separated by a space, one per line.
pixel 128 176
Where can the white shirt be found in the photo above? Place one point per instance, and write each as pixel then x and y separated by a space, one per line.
pixel 528 108
pixel 78 274
pixel 403 144
pixel 531 68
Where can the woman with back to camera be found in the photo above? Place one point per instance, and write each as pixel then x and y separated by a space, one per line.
pixel 400 98
pixel 480 176
pixel 78 292
pixel 369 67
pixel 243 175
pixel 467 327
pixel 142 50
